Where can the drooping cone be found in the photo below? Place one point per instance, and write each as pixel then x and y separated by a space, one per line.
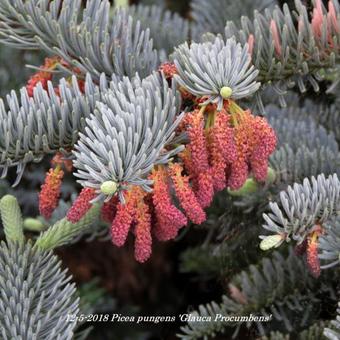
pixel 50 192
pixel 169 219
pixel 81 205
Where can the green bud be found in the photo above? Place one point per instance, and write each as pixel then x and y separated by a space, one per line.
pixel 11 219
pixel 33 224
pixel 108 187
pixel 64 231
pixel 250 186
pixel 121 3
pixel 226 92
pixel 271 242
pixel 271 175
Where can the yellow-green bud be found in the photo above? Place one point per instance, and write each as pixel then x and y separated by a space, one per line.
pixel 271 175
pixel 108 187
pixel 271 242
pixel 121 3
pixel 226 92
pixel 250 186
pixel 33 224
